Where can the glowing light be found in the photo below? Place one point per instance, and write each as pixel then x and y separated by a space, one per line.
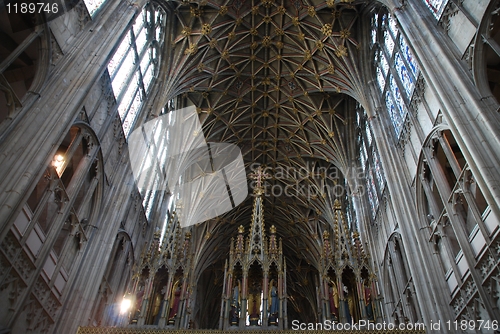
pixel 125 306
pixel 58 163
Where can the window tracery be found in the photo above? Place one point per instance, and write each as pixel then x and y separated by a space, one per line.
pixel 135 64
pixel 370 163
pixel 396 69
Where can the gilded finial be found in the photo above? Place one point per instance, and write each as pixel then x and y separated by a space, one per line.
pixel 326 235
pixel 272 229
pixel 259 176
pixel 241 229
pixel 336 205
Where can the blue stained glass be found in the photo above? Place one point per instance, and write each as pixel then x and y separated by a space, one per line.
pixel 384 64
pixel 393 113
pixel 388 42
pixel 398 98
pixel 393 26
pixel 408 55
pixel 405 77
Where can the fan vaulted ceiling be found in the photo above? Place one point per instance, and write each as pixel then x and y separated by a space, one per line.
pixel 277 79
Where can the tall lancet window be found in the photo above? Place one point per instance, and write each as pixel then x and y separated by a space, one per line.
pixel 396 69
pixel 370 162
pixel 135 63
pixel 436 6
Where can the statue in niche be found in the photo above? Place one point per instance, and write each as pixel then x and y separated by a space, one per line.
pixel 234 313
pixel 155 317
pixel 273 303
pixel 333 295
pixel 139 296
pixel 254 304
pixel 368 301
pixel 174 302
pixel 348 304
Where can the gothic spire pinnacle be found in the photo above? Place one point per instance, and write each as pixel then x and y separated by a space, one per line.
pixel 259 176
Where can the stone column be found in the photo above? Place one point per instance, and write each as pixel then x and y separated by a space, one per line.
pixel 473 118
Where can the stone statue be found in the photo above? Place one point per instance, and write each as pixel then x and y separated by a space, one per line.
pixel 254 304
pixel 333 295
pixel 174 303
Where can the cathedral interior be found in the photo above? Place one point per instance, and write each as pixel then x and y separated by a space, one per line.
pixel 249 164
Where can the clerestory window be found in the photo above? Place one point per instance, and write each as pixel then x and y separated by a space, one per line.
pixel 396 69
pixel 134 65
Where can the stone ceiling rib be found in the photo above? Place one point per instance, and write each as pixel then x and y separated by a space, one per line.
pixel 273 78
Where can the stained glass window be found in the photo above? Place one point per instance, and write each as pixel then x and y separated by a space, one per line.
pixel 396 71
pixel 404 75
pixel 408 55
pixel 393 113
pixel 388 42
pixel 363 155
pixel 370 162
pixel 398 98
pixel 384 64
pixel 393 27
pixel 436 6
pixel 377 167
pixel 372 192
pixel 374 28
pixel 132 68
pixel 368 133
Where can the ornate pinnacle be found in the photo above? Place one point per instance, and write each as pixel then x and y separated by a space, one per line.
pixel 272 229
pixel 337 205
pixel 259 176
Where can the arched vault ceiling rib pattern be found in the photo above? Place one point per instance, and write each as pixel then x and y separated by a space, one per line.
pixel 275 78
